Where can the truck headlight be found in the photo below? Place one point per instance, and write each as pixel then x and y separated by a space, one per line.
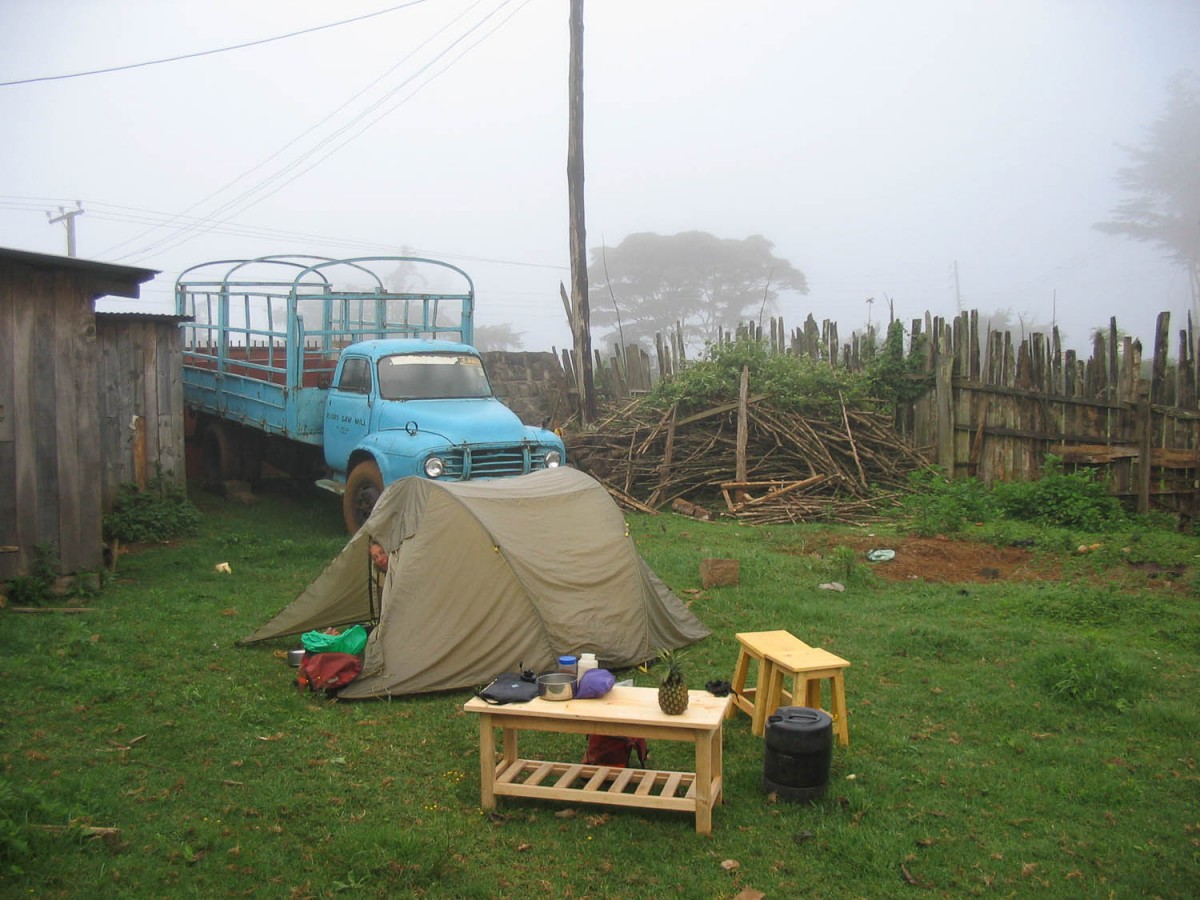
pixel 553 459
pixel 435 467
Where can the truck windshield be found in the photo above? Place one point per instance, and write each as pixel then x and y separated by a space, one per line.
pixel 432 376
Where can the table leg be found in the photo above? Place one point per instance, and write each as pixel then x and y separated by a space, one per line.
pixel 508 750
pixel 704 779
pixel 487 762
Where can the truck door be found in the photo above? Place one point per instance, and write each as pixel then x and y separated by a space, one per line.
pixel 348 410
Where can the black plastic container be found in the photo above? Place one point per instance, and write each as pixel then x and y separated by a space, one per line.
pixel 799 750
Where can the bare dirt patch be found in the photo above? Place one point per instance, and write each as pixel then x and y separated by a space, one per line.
pixel 944 560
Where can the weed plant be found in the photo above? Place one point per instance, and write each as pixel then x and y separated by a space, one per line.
pixel 159 513
pixel 1029 739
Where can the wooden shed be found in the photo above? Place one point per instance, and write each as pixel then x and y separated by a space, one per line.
pixel 54 409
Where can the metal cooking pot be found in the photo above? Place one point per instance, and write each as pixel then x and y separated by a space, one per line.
pixel 556 686
pixel 295 657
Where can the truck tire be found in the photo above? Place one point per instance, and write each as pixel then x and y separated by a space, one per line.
pixel 363 488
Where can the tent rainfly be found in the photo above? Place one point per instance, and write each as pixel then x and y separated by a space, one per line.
pixel 486 576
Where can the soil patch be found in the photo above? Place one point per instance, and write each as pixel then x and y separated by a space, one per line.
pixel 941 559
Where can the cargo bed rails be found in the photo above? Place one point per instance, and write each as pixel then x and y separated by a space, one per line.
pixel 263 335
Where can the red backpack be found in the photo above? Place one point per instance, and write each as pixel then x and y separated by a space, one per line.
pixel 329 671
pixel 611 750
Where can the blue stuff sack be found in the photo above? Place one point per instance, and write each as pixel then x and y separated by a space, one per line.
pixel 594 683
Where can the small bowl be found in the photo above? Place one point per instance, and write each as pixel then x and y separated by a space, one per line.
pixel 295 657
pixel 556 686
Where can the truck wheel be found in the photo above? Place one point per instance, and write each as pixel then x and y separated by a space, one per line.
pixel 363 488
pixel 217 452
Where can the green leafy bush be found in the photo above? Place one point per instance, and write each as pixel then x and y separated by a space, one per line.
pixel 159 513
pixel 895 376
pixel 1068 500
pixel 796 383
pixel 34 588
pixel 939 505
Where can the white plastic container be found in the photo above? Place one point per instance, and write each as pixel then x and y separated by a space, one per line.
pixel 586 661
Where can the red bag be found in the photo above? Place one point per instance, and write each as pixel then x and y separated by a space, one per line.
pixel 329 671
pixel 611 750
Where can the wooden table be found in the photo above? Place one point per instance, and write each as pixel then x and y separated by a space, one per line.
pixel 628 711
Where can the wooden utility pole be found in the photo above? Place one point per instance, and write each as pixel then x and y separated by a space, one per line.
pixel 581 315
pixel 68 216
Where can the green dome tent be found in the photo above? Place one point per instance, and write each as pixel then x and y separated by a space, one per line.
pixel 484 576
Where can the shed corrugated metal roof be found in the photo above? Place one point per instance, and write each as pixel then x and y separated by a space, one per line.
pixel 142 316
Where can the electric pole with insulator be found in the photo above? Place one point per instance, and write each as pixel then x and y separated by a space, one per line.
pixel 67 216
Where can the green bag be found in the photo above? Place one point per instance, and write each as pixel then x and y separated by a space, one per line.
pixel 352 640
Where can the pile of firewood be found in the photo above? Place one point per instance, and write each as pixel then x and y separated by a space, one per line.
pixel 846 466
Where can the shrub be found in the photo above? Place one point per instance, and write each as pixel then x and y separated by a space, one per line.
pixel 159 513
pixel 795 383
pixel 1074 500
pixel 939 505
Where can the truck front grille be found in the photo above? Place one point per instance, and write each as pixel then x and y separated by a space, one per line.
pixel 492 462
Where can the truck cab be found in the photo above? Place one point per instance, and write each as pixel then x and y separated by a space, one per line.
pixel 422 408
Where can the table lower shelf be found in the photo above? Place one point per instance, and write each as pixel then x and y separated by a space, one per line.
pixel 615 786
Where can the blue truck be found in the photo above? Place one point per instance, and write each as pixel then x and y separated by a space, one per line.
pixel 313 366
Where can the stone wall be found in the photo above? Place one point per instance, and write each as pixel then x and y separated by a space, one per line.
pixel 532 385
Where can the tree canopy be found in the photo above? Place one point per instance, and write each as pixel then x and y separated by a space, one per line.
pixel 1164 181
pixel 649 282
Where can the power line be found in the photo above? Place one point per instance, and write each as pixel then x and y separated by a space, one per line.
pixel 292 142
pixel 170 59
pixel 110 212
pixel 246 199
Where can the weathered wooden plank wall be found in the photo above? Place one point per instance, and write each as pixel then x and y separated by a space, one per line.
pixel 49 466
pixel 12 355
pixel 140 402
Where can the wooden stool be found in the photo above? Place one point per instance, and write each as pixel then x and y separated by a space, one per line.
pixel 808 667
pixel 758 646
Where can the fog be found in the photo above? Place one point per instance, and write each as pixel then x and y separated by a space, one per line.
pixel 940 155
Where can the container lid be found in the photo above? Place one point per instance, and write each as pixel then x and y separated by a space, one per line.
pixel 566 660
pixel 799 714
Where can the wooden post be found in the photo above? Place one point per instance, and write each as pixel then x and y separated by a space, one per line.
pixel 742 425
pixel 579 277
pixel 139 452
pixel 945 404
pixel 1144 433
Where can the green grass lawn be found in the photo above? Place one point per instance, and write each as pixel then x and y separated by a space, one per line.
pixel 1033 738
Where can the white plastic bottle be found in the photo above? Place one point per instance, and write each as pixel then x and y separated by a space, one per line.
pixel 586 661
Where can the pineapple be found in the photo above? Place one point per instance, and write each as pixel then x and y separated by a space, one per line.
pixel 672 689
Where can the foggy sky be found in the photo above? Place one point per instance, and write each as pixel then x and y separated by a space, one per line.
pixel 880 146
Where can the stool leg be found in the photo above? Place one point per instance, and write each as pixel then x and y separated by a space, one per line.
pixel 812 693
pixel 837 705
pixel 770 690
pixel 738 684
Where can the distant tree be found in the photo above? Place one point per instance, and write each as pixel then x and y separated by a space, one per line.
pixel 649 282
pixel 1019 324
pixel 498 337
pixel 1164 178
